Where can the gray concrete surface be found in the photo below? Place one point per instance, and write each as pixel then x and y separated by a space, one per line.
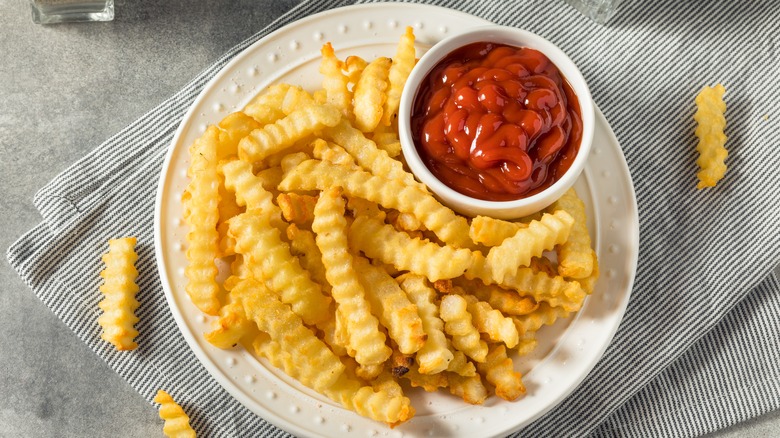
pixel 63 90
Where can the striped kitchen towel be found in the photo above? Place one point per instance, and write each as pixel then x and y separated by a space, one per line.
pixel 697 347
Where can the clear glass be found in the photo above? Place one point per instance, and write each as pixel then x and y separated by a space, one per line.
pixel 599 11
pixel 65 11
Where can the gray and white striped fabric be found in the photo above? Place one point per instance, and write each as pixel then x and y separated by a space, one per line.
pixel 697 348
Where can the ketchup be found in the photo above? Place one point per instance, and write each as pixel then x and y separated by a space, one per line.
pixel 496 122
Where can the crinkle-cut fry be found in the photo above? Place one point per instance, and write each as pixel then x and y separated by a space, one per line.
pixel 272 262
pixel 460 364
pixel 354 66
pixel 528 242
pixel 368 97
pixel 428 382
pixel 297 208
pixel 266 107
pixel 490 321
pixel 305 247
pixel 470 389
pixel 404 221
pixel 228 207
pixel 177 423
pixel 369 372
pixel 318 367
pixel 492 232
pixel 435 355
pixel 458 324
pixel 232 324
pixel 330 228
pixel 293 159
pixel 283 133
pixel 543 264
pixel 391 306
pixel 297 98
pixel 377 405
pixel 386 138
pixel 334 81
pixel 249 191
pixel 509 302
pixel 499 371
pixel 363 207
pixel 202 218
pixel 320 175
pixel 119 289
pixel 544 315
pixel 574 255
pixel 540 286
pixel 325 151
pixel 711 119
pixel 368 155
pixel 385 382
pixel 239 268
pixel 403 62
pixel 589 283
pixel 269 178
pixel 382 241
pixel 527 344
pixel 233 128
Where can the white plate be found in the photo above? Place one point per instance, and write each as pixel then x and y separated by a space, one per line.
pixel 567 351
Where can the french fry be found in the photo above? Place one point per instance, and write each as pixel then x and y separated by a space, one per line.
pixel 369 94
pixel 330 228
pixel 429 382
pixel 711 119
pixel 322 150
pixel 460 364
pixel 297 208
pixel 354 66
pixel 266 107
pixel 233 128
pixel 249 191
pixel 305 247
pixel 507 301
pixel 319 175
pixel 283 133
pixel 232 324
pixel 490 321
pixel 499 371
pixel 383 242
pixel 119 289
pixel 434 356
pixel 492 232
pixel 317 366
pixel 386 139
pixel 269 178
pixel 334 82
pixel 403 62
pixel 470 389
pixel 377 405
pixel 544 315
pixel 458 324
pixel 539 236
pixel 177 423
pixel 271 261
pixel 391 306
pixel 574 255
pixel 203 214
pixel 296 99
pixel 589 283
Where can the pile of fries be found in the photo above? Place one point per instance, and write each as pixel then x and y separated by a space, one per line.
pixel 345 272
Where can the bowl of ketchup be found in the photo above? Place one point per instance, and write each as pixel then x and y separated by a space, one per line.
pixel 496 121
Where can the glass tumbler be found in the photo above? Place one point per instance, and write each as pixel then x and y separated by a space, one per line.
pixel 63 11
pixel 599 11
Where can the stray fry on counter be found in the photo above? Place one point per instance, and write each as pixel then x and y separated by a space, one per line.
pixel 119 291
pixel 711 119
pixel 347 273
pixel 177 423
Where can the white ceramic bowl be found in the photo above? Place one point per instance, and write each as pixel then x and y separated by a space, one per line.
pixel 499 209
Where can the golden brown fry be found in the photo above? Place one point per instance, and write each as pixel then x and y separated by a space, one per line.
pixel 266 107
pixel 589 283
pixel 377 405
pixel 203 214
pixel 544 315
pixel 334 81
pixel 458 324
pixel 249 191
pixel 509 302
pixel 460 364
pixel 354 66
pixel 470 389
pixel 177 423
pixel 574 255
pixel 386 138
pixel 317 366
pixel 490 321
pixel 428 382
pixel 381 241
pixel 403 62
pixel 369 94
pixel 297 208
pixel 434 356
pixel 271 260
pixel 498 370
pixel 283 133
pixel 233 128
pixel 492 232
pixel 270 178
pixel 710 116
pixel 363 328
pixel 322 150
pixel 320 175
pixel 539 236
pixel 119 289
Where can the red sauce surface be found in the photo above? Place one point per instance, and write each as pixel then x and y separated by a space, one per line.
pixel 496 122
